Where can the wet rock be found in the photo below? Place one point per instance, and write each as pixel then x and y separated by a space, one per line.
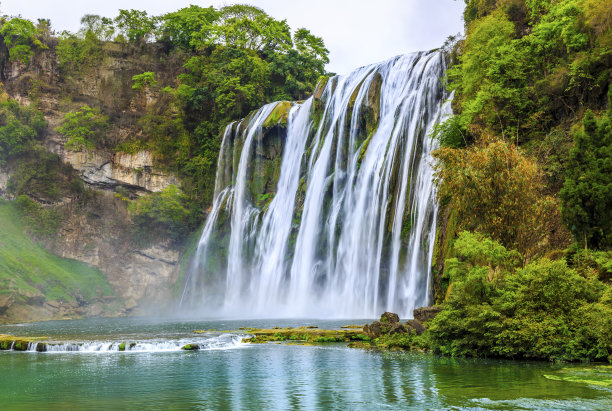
pixel 373 330
pixel 41 347
pixel 190 347
pixel 389 318
pixel 122 347
pixel 416 326
pixel 424 314
pixel 20 345
pixel 397 328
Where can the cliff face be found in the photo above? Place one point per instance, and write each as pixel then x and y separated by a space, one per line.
pixel 98 231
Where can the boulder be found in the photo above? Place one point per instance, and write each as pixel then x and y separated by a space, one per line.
pixel 424 314
pixel 397 328
pixel 389 318
pixel 373 330
pixel 416 326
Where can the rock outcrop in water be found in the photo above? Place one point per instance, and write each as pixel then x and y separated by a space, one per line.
pixel 326 207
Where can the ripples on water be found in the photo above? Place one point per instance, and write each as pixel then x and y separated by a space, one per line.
pixel 272 376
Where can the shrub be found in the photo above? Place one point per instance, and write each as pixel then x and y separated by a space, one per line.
pixel 84 128
pixel 545 310
pixel 162 213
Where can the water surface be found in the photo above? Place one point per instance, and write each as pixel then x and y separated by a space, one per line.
pixel 269 376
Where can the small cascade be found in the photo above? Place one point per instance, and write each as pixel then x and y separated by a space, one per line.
pixel 214 342
pixel 326 208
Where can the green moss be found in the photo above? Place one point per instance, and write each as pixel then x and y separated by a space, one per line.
pixel 598 375
pixel 122 347
pixel 278 116
pixel 190 347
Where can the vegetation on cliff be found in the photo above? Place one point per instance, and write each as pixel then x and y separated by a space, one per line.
pixel 525 165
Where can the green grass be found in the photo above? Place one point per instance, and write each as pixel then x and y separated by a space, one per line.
pixel 26 267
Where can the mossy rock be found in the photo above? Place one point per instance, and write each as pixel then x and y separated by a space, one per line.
pixel 20 345
pixel 190 347
pixel 278 116
pixel 122 347
pixel 41 347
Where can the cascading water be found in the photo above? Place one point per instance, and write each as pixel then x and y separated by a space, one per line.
pixel 326 208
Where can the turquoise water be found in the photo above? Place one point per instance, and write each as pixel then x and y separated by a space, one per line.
pixel 269 376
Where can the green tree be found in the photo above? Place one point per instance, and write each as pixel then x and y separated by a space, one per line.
pixel 136 25
pixel 250 27
pixel 189 28
pixel 19 128
pixel 20 37
pixel 83 128
pixel 101 28
pixel 144 80
pixel 587 191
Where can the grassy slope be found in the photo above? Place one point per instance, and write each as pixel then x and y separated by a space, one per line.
pixel 26 267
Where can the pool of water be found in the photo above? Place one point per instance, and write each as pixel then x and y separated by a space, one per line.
pixel 270 376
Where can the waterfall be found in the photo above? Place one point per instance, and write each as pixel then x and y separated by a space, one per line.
pixel 326 208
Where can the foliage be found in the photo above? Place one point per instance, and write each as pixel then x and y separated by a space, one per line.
pixel 497 191
pixel 75 53
pixel 43 175
pixel 249 27
pixel 544 310
pixel 19 36
pixel 587 191
pixel 96 27
pixel 40 221
pixel 144 81
pixel 189 28
pixel 451 133
pixel 161 213
pixel 84 128
pixel 19 129
pixel 136 25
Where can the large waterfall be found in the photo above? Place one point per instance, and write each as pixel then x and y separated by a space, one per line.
pixel 326 208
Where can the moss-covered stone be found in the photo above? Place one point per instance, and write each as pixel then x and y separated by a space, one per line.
pixel 278 116
pixel 190 347
pixel 122 347
pixel 306 333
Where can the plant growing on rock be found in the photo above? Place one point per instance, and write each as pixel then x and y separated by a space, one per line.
pixel 83 128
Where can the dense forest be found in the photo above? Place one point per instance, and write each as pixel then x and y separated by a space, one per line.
pixel 523 258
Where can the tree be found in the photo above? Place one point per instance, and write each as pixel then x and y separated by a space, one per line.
pixel 19 36
pixel 251 28
pixel 495 190
pixel 189 28
pixel 587 191
pixel 136 25
pixel 101 28
pixel 84 128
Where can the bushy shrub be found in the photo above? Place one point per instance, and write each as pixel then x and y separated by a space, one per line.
pixel 19 128
pixel 163 213
pixel 83 128
pixel 544 310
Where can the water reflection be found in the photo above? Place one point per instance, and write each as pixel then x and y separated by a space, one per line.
pixel 275 376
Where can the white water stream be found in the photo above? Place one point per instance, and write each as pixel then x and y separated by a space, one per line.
pixel 350 229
